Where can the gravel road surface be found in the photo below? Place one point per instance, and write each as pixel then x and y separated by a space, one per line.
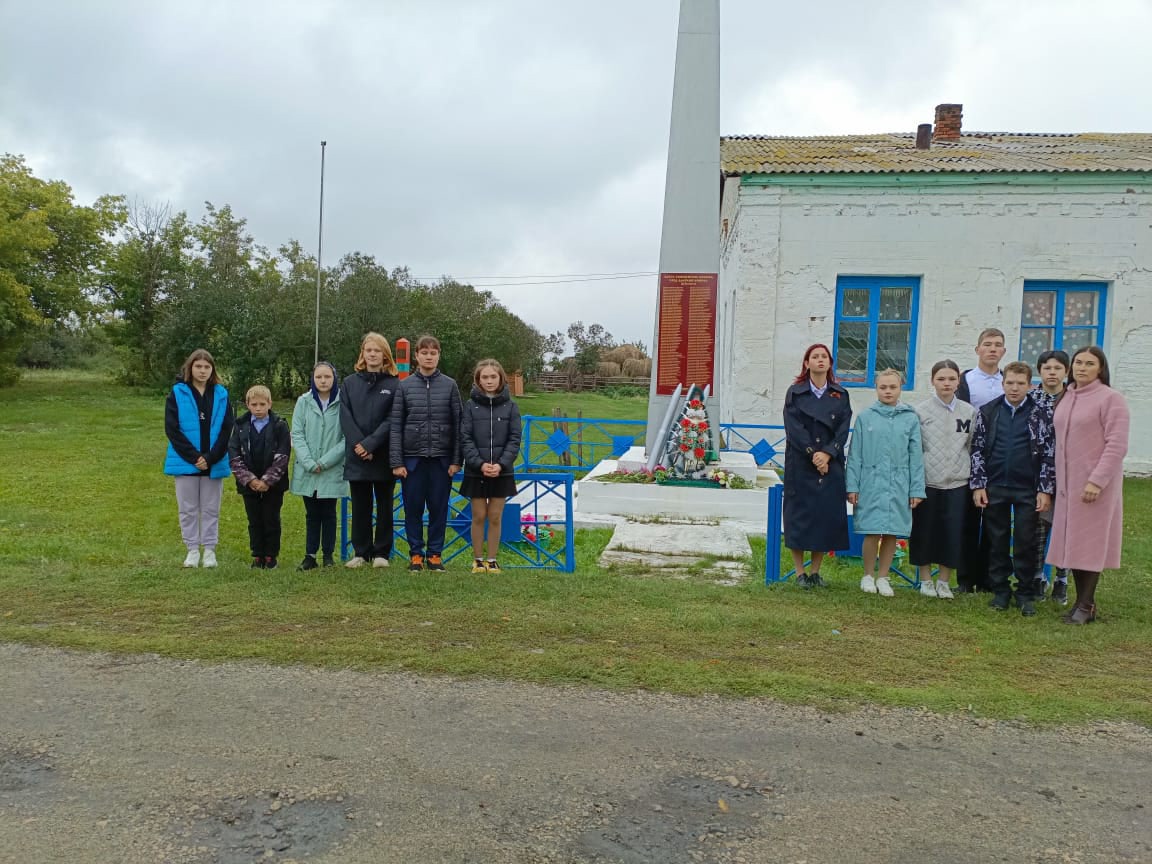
pixel 126 759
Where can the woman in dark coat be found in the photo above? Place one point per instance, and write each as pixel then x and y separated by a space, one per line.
pixel 817 416
pixel 366 418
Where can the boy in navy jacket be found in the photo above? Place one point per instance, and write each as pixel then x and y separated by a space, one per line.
pixel 425 451
pixel 258 452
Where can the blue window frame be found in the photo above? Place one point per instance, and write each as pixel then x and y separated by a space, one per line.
pixel 1064 315
pixel 876 319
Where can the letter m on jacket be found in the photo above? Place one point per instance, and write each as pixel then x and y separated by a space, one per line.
pixel 963 425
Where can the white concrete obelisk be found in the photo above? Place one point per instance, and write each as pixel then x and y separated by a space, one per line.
pixel 684 344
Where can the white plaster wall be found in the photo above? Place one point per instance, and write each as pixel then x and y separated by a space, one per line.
pixel 972 246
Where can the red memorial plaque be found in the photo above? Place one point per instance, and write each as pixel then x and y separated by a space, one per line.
pixel 686 349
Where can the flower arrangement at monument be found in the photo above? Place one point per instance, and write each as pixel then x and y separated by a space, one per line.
pixel 689 449
pixel 690 457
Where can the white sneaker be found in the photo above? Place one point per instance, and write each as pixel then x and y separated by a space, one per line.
pixel 868 585
pixel 942 590
pixel 355 562
pixel 928 588
pixel 192 559
pixel 884 587
pixel 209 559
pixel 380 562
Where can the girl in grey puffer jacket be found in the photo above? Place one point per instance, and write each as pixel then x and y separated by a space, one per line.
pixel 490 438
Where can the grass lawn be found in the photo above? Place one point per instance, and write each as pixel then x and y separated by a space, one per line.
pixel 90 555
pixel 591 403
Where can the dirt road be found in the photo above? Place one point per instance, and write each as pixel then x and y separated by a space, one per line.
pixel 138 759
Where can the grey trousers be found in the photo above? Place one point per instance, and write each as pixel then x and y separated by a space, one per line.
pixel 198 500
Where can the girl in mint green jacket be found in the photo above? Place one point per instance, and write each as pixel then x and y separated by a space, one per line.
pixel 318 475
pixel 885 477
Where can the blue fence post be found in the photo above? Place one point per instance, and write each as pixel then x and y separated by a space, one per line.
pixel 344 528
pixel 569 528
pixel 773 534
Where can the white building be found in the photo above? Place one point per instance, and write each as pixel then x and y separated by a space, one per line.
pixel 896 250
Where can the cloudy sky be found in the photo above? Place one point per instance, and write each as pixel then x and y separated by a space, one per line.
pixel 517 140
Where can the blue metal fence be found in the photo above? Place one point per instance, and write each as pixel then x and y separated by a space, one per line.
pixel 575 444
pixel 531 538
pixel 764 442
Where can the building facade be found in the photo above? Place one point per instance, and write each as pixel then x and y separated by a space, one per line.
pixel 896 255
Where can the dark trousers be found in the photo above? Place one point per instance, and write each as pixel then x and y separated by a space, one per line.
pixel 364 544
pixel 428 484
pixel 263 511
pixel 1010 526
pixel 972 574
pixel 319 526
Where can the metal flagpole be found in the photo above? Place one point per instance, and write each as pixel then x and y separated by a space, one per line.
pixel 319 256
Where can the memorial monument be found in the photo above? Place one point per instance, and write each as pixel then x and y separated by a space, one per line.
pixel 681 472
pixel 684 339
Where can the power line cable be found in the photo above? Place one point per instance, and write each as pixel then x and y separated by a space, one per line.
pixel 540 282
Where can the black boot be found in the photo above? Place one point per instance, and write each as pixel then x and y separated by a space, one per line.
pixel 1084 612
pixel 309 563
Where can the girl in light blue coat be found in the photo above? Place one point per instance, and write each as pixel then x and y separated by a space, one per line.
pixel 885 479
pixel 318 475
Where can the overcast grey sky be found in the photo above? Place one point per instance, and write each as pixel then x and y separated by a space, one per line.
pixel 514 137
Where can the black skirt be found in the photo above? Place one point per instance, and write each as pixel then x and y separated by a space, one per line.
pixel 938 528
pixel 503 486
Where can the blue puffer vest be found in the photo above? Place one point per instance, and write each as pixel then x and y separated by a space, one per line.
pixel 190 426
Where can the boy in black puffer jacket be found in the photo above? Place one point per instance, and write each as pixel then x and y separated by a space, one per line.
pixel 490 439
pixel 258 453
pixel 425 451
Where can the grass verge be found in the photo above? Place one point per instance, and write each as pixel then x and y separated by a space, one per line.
pixel 90 554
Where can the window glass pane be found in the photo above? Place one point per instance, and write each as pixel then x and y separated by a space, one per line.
pixel 852 351
pixel 1039 308
pixel 1034 342
pixel 1078 337
pixel 892 346
pixel 895 304
pixel 1080 308
pixel 854 303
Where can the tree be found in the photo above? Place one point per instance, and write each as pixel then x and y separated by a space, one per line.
pixel 51 254
pixel 588 343
pixel 149 266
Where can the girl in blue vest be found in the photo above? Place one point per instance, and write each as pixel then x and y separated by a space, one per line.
pixel 885 477
pixel 198 421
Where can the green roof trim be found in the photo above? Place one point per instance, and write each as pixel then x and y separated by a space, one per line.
pixel 920 179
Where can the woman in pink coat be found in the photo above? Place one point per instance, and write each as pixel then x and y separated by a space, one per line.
pixel 1091 423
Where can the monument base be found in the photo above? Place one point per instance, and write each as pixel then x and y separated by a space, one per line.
pixel 598 498
pixel 741 464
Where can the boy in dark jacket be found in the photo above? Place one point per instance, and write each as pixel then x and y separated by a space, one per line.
pixel 258 453
pixel 425 451
pixel 1012 480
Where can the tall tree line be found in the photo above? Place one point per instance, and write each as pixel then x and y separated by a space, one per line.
pixel 160 285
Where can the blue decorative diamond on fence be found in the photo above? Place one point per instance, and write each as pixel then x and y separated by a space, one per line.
pixel 621 444
pixel 558 442
pixel 763 452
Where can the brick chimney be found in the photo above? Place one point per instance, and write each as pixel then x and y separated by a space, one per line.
pixel 923 136
pixel 948 118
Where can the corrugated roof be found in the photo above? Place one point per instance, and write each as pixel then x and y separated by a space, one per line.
pixel 975 152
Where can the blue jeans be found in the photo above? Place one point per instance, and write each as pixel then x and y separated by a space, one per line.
pixel 428 484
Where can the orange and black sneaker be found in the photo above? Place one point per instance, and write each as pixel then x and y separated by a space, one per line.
pixel 434 563
pixel 416 563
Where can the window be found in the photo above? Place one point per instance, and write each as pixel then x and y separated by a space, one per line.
pixel 1065 315
pixel 875 327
